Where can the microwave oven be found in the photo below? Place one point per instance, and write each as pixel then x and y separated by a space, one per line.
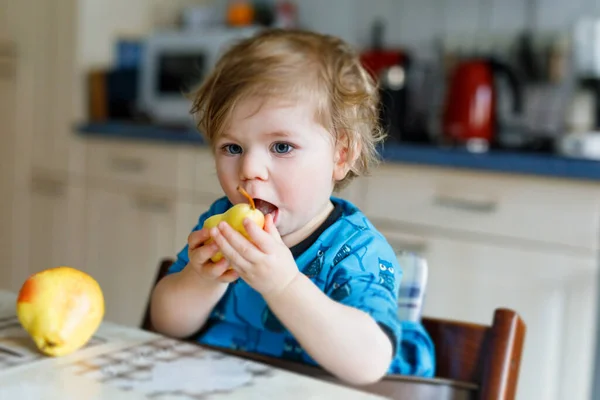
pixel 174 63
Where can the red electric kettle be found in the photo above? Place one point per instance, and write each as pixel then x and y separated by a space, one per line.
pixel 471 104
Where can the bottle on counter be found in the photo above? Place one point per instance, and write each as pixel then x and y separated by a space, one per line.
pixel 286 14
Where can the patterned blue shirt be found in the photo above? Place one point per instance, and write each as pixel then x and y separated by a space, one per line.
pixel 352 263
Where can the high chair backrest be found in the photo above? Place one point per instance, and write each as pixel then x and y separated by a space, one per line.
pixel 488 355
pixel 163 268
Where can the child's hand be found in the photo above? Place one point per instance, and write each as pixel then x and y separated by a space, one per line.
pixel 199 254
pixel 267 265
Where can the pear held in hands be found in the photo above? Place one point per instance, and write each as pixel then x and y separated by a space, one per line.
pixel 235 217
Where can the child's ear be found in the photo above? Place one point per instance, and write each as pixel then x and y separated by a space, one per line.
pixel 345 156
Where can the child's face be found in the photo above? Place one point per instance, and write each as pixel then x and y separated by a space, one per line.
pixel 281 155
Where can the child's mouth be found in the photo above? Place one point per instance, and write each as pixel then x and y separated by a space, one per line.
pixel 265 207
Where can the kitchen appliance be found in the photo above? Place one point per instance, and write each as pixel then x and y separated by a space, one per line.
pixel 586 54
pixel 174 63
pixel 393 71
pixel 376 59
pixel 112 94
pixel 477 110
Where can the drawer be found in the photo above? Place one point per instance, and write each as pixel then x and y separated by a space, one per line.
pixel 125 162
pixel 530 208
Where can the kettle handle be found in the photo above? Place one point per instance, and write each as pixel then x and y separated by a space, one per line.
pixel 514 82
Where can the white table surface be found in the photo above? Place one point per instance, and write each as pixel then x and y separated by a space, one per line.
pixel 127 363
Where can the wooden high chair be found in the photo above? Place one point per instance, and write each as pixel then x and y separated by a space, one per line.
pixel 473 361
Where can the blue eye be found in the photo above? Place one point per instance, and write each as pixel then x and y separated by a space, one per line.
pixel 232 148
pixel 282 148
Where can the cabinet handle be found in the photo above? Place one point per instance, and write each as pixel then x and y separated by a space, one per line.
pixel 125 164
pixel 48 187
pixel 152 204
pixel 472 205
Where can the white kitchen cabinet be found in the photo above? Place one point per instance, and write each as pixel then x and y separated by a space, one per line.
pixel 50 215
pixel 50 43
pixel 497 240
pixel 188 212
pixel 537 211
pixel 131 163
pixel 136 214
pixel 8 93
pixel 127 233
pixel 553 291
pixel 55 225
pixel 206 181
pixel 4 32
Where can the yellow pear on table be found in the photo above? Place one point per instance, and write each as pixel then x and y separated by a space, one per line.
pixel 235 217
pixel 60 308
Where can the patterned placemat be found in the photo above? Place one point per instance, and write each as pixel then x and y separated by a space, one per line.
pixel 17 348
pixel 167 368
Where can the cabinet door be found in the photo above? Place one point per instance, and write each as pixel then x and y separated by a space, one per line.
pixel 537 211
pixel 187 214
pixel 55 230
pixel 469 280
pixel 7 179
pixel 51 47
pixel 126 235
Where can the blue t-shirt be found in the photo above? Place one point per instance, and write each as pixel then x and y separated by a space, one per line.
pixel 352 263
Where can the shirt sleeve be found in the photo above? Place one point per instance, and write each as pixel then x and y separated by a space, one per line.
pixel 218 207
pixel 368 278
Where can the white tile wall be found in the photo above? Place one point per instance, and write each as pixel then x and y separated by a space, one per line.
pixel 408 22
pixel 101 22
pixel 416 22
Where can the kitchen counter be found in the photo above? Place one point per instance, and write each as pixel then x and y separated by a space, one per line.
pixel 498 161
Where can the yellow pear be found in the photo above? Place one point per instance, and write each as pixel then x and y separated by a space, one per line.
pixel 60 308
pixel 235 217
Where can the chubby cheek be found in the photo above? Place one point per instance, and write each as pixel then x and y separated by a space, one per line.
pixel 304 188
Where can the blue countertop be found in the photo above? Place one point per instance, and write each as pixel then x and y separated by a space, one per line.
pixel 497 161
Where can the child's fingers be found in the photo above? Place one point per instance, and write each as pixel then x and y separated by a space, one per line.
pixel 215 270
pixel 261 238
pixel 202 254
pixel 271 229
pixel 196 238
pixel 234 246
pixel 228 276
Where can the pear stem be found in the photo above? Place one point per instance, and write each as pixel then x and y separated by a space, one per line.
pixel 250 200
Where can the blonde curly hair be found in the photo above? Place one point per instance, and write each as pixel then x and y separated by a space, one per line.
pixel 301 65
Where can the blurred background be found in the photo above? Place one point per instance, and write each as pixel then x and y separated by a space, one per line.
pixel 490 171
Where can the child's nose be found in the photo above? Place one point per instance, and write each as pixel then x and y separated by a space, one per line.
pixel 253 166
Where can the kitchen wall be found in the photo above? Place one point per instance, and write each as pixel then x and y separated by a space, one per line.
pixel 416 22
pixel 101 22
pixel 408 22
